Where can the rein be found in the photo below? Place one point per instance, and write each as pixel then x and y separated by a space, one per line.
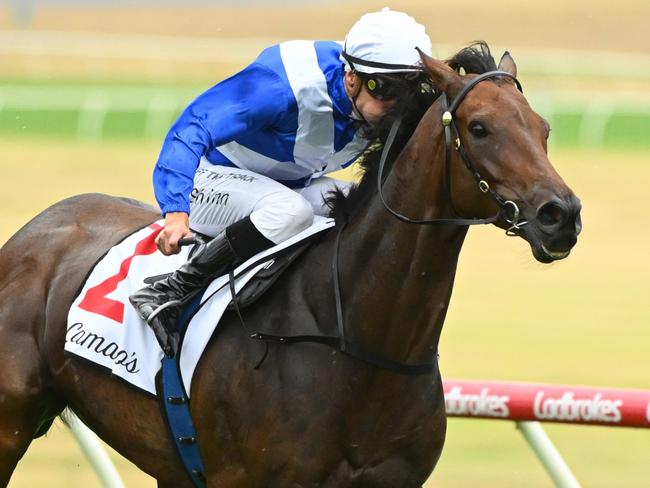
pixel 340 342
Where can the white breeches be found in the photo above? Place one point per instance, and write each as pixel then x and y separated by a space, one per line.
pixel 224 195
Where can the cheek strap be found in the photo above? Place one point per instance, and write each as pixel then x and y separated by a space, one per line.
pixel 353 99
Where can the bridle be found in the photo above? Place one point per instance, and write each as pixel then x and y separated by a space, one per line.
pixel 340 341
pixel 449 123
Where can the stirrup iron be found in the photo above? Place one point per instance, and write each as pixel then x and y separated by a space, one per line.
pixel 163 307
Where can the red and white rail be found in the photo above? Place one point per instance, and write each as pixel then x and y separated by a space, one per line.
pixel 529 404
pixel 548 403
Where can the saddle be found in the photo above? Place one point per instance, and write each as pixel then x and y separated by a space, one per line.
pixel 268 275
pixel 263 279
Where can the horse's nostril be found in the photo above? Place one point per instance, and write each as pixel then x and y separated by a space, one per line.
pixel 551 214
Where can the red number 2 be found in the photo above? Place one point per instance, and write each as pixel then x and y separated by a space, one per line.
pixel 95 300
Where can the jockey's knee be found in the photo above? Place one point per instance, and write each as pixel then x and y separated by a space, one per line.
pixel 283 218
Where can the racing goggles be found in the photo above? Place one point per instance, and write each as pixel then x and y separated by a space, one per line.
pixel 386 88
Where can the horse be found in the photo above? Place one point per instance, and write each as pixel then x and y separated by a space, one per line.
pixel 310 416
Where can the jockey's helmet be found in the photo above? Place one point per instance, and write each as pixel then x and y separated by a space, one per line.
pixel 385 42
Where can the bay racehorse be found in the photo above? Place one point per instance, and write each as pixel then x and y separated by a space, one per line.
pixel 311 416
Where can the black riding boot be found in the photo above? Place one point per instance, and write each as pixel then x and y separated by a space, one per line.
pixel 159 303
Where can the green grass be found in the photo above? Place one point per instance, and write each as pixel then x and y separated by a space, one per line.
pixel 51 123
pixel 627 129
pixel 565 128
pixel 55 109
pixel 91 110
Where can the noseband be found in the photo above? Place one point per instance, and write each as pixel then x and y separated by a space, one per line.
pixel 449 124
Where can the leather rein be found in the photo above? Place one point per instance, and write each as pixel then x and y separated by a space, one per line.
pixel 358 351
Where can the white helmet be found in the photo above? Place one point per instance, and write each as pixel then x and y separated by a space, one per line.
pixel 385 42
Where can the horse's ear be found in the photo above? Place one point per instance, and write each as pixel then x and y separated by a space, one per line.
pixel 444 78
pixel 507 64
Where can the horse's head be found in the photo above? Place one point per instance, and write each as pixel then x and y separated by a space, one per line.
pixel 503 143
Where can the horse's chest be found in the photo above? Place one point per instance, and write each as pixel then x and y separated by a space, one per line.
pixel 379 452
pixel 390 473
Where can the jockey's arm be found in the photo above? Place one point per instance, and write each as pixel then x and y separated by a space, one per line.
pixel 254 98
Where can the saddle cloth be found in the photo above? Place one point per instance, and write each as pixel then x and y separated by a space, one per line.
pixel 105 329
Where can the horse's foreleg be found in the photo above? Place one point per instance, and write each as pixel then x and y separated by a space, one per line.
pixel 25 406
pixel 16 433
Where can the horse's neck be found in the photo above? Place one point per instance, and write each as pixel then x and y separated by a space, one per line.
pixel 397 278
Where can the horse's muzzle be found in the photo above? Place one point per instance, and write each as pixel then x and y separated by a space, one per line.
pixel 554 230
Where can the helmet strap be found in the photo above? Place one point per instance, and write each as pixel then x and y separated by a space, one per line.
pixel 353 97
pixel 352 60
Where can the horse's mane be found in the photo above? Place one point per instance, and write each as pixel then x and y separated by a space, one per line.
pixel 411 107
pixel 475 58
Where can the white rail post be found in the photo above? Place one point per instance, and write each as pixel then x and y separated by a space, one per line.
pixel 593 123
pixel 92 115
pixel 159 115
pixel 95 453
pixel 549 456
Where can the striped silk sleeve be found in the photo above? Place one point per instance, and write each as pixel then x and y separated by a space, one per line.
pixel 253 98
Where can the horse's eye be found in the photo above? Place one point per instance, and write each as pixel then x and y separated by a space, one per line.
pixel 478 130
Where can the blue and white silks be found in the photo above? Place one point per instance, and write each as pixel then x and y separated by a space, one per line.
pixel 286 116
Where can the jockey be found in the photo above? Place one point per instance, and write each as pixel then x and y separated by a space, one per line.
pixel 244 163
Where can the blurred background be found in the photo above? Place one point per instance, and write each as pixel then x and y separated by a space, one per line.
pixel 89 88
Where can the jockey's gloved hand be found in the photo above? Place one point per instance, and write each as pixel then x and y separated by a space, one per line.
pixel 177 226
